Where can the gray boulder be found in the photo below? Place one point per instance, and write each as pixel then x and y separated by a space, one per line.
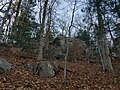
pixel 4 66
pixel 44 68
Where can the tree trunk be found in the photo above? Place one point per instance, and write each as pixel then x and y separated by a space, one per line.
pixel 18 8
pixel 40 55
pixel 5 17
pixel 69 34
pixel 104 50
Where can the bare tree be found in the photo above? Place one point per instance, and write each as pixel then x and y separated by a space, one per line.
pixel 1 9
pixel 102 40
pixel 40 55
pixel 17 11
pixel 5 16
pixel 69 34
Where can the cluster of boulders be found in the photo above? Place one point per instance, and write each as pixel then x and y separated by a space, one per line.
pixel 58 47
pixel 41 68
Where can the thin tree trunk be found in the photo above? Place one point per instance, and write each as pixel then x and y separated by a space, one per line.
pixel 5 17
pixel 69 34
pixel 40 13
pixel 7 31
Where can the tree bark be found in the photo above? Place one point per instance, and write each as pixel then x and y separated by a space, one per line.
pixel 18 8
pixel 40 55
pixel 69 34
pixel 5 17
pixel 104 50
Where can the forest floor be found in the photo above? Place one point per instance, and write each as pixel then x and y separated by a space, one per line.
pixel 80 76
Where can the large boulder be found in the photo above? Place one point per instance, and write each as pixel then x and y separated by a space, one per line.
pixel 44 68
pixel 77 50
pixel 4 66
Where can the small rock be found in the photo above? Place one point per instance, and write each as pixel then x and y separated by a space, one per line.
pixel 4 66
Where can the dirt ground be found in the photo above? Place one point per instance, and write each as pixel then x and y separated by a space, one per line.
pixel 80 76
